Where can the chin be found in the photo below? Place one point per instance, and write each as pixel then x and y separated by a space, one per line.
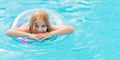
pixel 39 32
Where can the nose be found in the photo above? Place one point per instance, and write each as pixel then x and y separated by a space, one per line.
pixel 41 29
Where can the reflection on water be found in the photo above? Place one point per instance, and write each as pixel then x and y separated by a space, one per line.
pixel 96 36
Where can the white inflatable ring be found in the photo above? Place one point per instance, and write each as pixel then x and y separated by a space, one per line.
pixel 22 21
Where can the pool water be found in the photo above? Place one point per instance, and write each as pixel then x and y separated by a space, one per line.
pixel 96 35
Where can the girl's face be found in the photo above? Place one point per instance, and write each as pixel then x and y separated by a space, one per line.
pixel 40 26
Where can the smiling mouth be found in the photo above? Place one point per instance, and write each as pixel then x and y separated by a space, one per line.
pixel 40 31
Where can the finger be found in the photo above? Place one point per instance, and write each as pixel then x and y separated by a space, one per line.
pixel 42 39
pixel 39 40
pixel 40 35
pixel 44 35
pixel 47 36
pixel 37 36
pixel 36 39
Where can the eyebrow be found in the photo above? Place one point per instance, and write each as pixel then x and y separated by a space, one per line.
pixel 41 25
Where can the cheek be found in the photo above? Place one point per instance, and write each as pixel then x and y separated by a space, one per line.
pixel 34 29
pixel 45 29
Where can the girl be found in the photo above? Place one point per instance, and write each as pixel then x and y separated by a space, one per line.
pixel 39 28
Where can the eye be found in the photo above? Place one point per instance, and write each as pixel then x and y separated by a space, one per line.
pixel 36 25
pixel 43 25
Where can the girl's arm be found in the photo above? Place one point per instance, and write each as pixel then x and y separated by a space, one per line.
pixel 18 32
pixel 59 30
pixel 56 30
pixel 23 32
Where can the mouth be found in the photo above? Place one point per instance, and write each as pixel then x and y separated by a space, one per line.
pixel 40 31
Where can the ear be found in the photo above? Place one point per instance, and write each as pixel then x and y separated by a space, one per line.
pixel 30 29
pixel 33 28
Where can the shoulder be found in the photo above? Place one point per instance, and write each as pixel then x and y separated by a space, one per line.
pixel 26 29
pixel 56 27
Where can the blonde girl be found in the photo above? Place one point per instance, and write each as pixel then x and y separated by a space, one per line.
pixel 39 27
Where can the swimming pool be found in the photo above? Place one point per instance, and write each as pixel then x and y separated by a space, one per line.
pixel 96 36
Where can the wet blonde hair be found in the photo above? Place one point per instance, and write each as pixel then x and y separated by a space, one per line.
pixel 39 15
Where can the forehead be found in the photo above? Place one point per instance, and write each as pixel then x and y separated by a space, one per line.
pixel 40 22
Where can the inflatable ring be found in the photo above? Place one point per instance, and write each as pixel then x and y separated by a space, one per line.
pixel 22 20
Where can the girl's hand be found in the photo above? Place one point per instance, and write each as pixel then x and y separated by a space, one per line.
pixel 33 36
pixel 44 35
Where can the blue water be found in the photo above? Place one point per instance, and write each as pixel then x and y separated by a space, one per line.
pixel 96 35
